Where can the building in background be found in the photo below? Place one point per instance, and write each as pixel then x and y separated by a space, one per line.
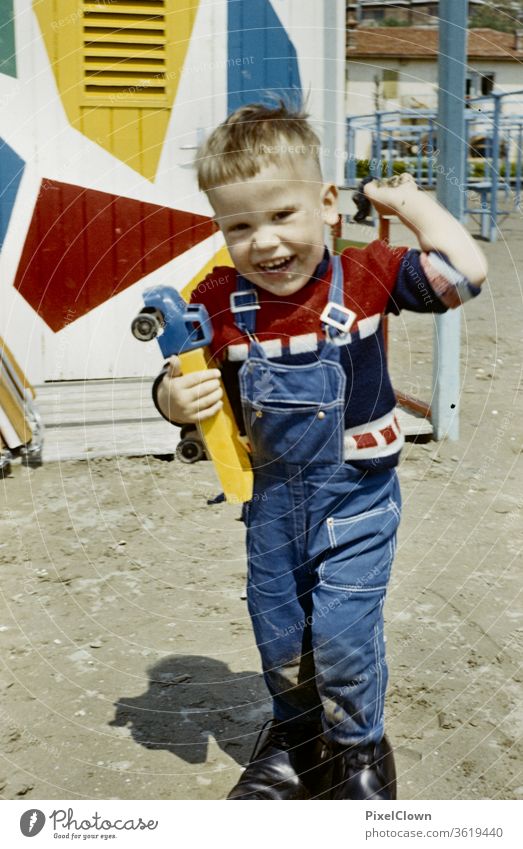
pixel 397 67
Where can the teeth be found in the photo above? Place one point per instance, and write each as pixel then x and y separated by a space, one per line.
pixel 275 263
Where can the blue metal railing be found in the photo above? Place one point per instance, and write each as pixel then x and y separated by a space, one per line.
pixel 406 140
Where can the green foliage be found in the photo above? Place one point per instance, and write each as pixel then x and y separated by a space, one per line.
pixel 477 168
pixel 393 22
pixel 363 168
pixel 489 17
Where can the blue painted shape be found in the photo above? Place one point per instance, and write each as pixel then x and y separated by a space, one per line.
pixel 11 170
pixel 262 60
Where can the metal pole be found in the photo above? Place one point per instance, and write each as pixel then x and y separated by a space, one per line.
pixel 494 168
pixel 351 151
pixel 390 155
pixel 333 92
pixel 376 170
pixel 451 187
pixel 517 186
pixel 430 155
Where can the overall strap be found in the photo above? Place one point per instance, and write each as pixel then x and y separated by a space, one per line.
pixel 336 288
pixel 337 319
pixel 244 303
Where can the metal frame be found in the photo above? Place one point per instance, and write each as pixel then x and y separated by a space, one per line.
pixel 451 190
pixel 484 116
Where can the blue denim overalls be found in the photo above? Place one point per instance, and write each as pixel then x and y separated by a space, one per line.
pixel 320 536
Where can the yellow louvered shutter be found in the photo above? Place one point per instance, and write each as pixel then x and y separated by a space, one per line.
pixel 117 65
pixel 125 52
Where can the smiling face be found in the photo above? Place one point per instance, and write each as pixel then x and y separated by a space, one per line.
pixel 273 223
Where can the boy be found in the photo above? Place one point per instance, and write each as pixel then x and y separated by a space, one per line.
pixel 298 336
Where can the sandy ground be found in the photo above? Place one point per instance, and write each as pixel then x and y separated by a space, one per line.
pixel 129 667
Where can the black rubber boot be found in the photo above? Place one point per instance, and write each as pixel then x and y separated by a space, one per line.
pixel 363 772
pixel 288 762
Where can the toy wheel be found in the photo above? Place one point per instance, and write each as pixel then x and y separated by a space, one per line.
pixel 146 326
pixel 190 451
pixel 32 458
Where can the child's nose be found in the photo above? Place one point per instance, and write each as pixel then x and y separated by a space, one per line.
pixel 265 237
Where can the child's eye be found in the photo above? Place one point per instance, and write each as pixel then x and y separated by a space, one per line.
pixel 238 228
pixel 282 214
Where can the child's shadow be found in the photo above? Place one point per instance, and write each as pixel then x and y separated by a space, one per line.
pixel 191 697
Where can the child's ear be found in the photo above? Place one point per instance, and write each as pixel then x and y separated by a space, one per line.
pixel 329 204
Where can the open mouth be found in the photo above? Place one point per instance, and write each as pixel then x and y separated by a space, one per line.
pixel 276 266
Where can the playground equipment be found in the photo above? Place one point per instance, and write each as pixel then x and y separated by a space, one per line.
pixel 389 142
pixel 21 429
pixel 434 150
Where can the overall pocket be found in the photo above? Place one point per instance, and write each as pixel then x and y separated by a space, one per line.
pixel 362 549
pixel 294 414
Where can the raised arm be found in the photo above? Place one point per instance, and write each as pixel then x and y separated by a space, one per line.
pixel 434 227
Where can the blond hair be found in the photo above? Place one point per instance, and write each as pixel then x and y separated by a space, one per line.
pixel 252 137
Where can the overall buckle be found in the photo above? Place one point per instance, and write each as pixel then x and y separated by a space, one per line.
pixel 342 326
pixel 244 301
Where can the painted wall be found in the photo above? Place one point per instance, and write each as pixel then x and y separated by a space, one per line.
pixel 101 110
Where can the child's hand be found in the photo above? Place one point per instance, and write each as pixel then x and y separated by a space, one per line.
pixel 189 398
pixel 434 227
pixel 391 196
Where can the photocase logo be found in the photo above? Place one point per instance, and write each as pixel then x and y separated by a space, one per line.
pixel 32 822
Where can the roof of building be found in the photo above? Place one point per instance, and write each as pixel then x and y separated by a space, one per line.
pixel 422 43
pixel 402 3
